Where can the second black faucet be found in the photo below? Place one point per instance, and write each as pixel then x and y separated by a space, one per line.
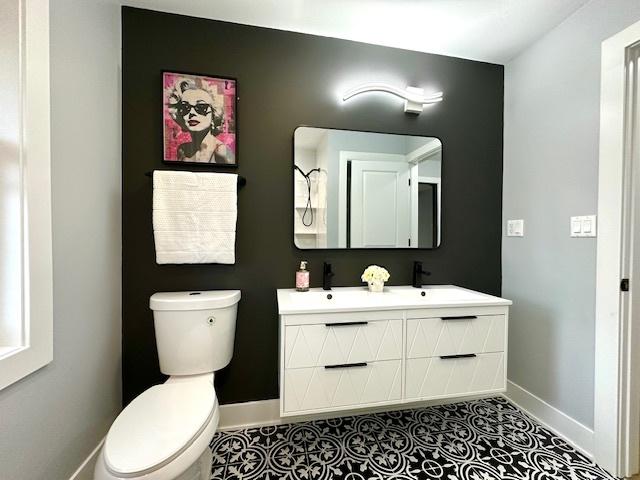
pixel 417 274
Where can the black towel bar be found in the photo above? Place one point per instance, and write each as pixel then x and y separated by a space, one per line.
pixel 241 180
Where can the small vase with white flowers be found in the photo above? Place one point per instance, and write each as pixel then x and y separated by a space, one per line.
pixel 375 276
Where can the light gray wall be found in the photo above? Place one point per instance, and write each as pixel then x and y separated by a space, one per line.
pixel 552 99
pixel 51 420
pixel 432 167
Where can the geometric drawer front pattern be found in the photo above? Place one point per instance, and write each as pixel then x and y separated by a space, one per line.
pixel 319 388
pixel 319 345
pixel 435 377
pixel 379 360
pixel 429 337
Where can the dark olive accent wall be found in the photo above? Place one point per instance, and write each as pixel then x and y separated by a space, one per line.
pixel 285 80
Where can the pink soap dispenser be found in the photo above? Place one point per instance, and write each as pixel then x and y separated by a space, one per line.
pixel 302 278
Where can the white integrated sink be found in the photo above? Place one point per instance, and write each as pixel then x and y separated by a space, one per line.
pixel 340 298
pixel 328 296
pixel 346 299
pixel 441 294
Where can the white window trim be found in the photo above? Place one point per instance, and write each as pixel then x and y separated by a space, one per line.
pixel 35 157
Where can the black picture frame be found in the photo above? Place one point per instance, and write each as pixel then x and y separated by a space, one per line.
pixel 225 118
pixel 380 249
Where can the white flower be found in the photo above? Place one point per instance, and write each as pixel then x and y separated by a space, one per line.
pixel 375 273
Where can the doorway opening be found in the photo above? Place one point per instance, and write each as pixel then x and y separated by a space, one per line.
pixel 617 339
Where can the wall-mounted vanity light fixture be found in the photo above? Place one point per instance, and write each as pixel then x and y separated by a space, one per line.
pixel 414 97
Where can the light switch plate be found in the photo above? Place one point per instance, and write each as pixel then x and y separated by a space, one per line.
pixel 515 228
pixel 576 226
pixel 584 226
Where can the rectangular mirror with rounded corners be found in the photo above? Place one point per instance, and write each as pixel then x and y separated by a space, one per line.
pixel 366 190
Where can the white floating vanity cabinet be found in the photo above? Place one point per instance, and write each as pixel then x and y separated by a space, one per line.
pixel 349 349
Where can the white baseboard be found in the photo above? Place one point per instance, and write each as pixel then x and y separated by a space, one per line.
pixel 570 429
pixel 261 413
pixel 235 416
pixel 85 470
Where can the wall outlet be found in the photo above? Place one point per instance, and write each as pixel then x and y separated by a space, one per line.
pixel 515 228
pixel 584 226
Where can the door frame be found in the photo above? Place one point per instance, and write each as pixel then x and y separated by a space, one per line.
pixel 416 180
pixel 616 393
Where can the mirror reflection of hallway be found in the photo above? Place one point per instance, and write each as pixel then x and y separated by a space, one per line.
pixel 428 211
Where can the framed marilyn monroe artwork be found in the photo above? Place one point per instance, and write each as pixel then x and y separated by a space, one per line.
pixel 199 119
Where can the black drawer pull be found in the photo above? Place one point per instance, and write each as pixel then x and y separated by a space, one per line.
pixel 466 355
pixel 469 317
pixel 344 324
pixel 346 365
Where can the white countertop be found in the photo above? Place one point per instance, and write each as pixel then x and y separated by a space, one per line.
pixel 357 299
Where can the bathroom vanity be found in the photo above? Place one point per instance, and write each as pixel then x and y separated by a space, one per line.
pixel 347 348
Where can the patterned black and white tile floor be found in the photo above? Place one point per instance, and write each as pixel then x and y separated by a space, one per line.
pixel 478 440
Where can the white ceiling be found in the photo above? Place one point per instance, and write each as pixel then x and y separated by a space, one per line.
pixel 309 137
pixel 487 30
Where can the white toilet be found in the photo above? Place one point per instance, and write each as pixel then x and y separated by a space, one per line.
pixel 164 433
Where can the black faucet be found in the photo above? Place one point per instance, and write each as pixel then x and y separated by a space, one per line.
pixel 326 276
pixel 417 274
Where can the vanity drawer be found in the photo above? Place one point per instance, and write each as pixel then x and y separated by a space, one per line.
pixel 439 377
pixel 347 342
pixel 334 386
pixel 430 337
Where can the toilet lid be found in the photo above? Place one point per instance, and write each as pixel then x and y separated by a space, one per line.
pixel 158 425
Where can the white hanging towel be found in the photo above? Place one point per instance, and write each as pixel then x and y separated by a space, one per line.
pixel 194 216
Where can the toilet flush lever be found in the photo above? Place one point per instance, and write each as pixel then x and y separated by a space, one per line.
pixel 211 320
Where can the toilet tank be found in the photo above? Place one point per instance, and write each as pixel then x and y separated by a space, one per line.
pixel 194 330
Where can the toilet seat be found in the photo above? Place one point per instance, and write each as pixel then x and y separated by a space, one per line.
pixel 159 425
